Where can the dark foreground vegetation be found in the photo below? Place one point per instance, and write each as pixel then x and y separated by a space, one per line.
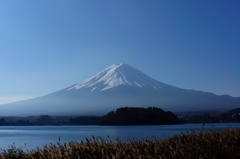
pixel 203 145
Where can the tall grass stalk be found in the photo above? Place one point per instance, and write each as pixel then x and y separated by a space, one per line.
pixel 204 145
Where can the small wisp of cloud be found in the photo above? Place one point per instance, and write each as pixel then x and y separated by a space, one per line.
pixel 11 99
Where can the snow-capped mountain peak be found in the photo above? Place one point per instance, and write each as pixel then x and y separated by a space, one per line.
pixel 116 75
pixel 117 86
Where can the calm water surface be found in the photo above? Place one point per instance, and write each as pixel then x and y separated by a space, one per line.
pixel 30 137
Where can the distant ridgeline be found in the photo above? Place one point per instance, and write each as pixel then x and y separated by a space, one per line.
pixel 126 116
pixel 139 116
pixel 49 120
pixel 122 116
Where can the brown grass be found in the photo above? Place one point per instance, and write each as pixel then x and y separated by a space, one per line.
pixel 190 145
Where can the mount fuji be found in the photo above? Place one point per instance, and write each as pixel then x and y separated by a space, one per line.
pixel 119 86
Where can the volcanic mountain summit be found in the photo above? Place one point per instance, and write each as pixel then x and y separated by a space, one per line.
pixel 119 86
pixel 118 75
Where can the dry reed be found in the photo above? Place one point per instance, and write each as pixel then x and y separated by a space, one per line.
pixel 204 145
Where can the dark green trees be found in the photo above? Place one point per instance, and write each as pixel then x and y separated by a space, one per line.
pixel 139 116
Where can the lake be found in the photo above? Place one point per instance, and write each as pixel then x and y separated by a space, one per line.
pixel 31 137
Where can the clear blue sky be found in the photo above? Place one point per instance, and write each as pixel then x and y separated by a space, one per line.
pixel 47 45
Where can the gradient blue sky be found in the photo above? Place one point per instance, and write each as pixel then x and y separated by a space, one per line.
pixel 47 45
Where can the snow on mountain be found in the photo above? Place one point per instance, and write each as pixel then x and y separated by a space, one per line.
pixel 119 86
pixel 117 75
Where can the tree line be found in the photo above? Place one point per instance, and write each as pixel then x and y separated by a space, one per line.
pixel 49 120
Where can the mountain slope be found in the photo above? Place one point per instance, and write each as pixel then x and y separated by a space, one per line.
pixel 118 75
pixel 118 86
